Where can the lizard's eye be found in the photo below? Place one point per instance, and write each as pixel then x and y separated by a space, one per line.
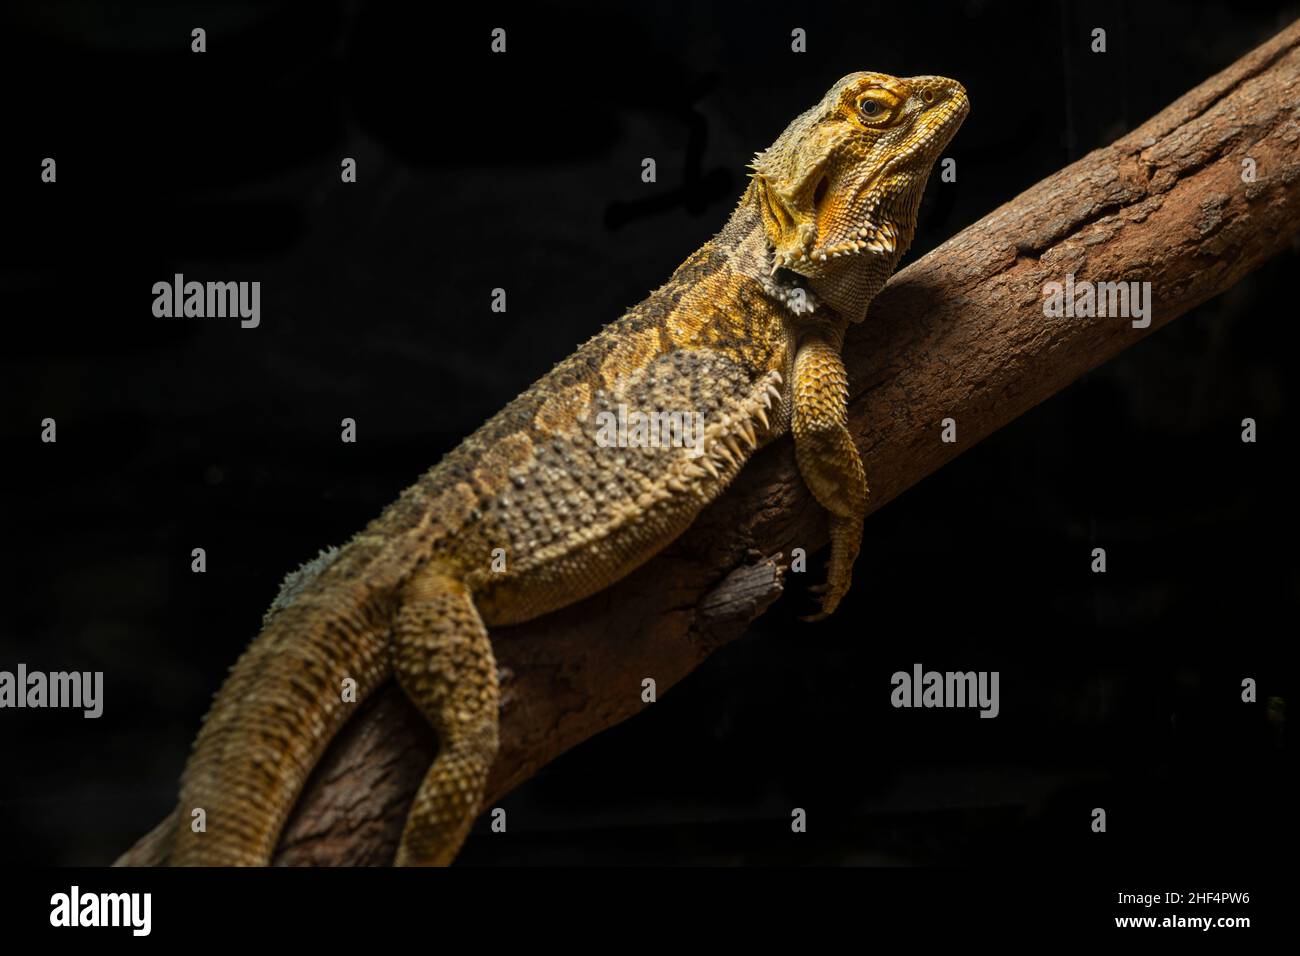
pixel 870 108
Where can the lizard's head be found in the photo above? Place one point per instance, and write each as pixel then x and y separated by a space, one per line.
pixel 844 181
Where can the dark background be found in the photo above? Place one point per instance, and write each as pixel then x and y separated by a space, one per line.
pixel 523 171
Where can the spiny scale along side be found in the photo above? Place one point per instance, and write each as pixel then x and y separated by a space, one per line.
pixel 746 333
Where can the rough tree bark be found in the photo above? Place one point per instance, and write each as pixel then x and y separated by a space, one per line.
pixel 959 333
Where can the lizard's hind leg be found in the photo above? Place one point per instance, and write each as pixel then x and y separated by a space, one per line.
pixel 443 661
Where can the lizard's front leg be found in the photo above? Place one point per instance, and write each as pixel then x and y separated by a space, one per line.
pixel 828 459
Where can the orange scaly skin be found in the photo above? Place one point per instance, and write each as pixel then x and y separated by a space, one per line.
pixel 747 333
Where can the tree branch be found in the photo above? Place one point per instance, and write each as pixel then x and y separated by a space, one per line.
pixel 961 334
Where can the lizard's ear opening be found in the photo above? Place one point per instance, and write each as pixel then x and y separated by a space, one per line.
pixel 820 193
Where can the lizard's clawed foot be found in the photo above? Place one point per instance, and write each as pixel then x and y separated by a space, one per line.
pixel 830 594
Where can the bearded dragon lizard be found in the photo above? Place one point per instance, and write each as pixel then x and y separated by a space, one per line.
pixel 746 332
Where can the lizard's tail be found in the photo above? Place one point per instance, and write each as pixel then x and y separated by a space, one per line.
pixel 283 701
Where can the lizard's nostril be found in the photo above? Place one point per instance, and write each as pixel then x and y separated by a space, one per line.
pixel 928 96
